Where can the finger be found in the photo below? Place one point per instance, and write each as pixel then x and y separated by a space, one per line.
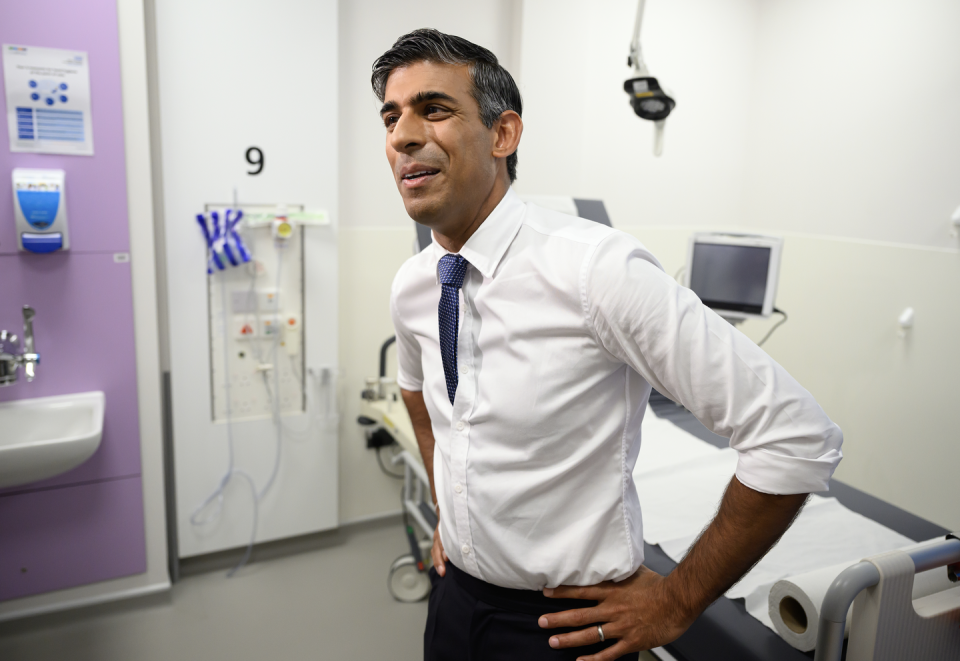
pixel 613 652
pixel 593 592
pixel 444 558
pixel 580 617
pixel 438 556
pixel 588 636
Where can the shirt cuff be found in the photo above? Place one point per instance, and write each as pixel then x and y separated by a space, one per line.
pixel 780 474
pixel 413 385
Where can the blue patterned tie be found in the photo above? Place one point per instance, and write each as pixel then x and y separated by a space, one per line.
pixel 452 268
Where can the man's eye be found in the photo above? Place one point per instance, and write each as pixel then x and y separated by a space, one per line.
pixel 433 110
pixel 390 120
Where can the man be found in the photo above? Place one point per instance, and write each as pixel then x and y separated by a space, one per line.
pixel 528 342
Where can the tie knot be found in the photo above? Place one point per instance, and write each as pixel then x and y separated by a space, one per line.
pixel 451 269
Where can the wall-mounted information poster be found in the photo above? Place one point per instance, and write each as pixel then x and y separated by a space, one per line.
pixel 48 100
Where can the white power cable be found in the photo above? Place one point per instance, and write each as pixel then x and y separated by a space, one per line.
pixel 218 493
pixel 775 326
pixel 290 431
pixel 276 384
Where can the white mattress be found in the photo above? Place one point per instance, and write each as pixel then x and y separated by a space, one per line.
pixel 680 480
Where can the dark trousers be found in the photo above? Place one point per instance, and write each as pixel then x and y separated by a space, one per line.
pixel 470 620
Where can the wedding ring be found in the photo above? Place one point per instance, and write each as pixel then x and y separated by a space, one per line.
pixel 600 631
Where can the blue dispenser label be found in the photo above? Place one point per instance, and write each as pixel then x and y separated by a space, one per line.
pixel 39 207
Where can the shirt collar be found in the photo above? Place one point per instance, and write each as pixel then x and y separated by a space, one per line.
pixel 486 247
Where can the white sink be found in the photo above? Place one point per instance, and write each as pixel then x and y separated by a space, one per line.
pixel 46 436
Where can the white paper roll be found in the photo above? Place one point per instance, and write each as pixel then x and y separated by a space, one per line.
pixel 794 603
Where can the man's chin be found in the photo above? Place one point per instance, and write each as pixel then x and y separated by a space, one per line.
pixel 426 210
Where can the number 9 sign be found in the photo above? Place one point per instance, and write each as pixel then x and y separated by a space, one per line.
pixel 255 158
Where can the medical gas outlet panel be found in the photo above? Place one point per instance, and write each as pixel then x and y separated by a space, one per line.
pixel 260 351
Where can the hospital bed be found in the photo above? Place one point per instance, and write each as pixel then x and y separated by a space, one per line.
pixel 725 631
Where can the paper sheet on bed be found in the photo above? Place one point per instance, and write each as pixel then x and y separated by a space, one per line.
pixel 826 533
pixel 665 444
pixel 680 481
pixel 678 501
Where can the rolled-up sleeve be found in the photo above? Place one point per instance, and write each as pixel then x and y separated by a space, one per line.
pixel 786 443
pixel 409 364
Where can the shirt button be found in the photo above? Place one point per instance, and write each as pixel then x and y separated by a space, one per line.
pixel 465 549
pixel 464 369
pixel 458 487
pixel 460 425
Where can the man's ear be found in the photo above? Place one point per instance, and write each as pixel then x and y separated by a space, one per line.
pixel 509 127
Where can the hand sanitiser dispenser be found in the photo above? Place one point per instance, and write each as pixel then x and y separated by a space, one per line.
pixel 41 210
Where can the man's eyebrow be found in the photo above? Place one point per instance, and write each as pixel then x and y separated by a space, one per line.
pixel 421 97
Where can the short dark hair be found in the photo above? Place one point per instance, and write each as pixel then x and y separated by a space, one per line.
pixel 493 87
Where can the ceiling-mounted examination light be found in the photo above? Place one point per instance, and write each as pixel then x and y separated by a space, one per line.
pixel 648 99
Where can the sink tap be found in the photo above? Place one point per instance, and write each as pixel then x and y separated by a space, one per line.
pixel 11 359
pixel 29 358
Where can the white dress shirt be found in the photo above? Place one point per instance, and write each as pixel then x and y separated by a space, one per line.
pixel 564 326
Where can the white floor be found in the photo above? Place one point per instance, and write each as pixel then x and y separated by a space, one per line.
pixel 326 603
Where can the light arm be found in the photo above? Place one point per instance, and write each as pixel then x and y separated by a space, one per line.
pixel 636 54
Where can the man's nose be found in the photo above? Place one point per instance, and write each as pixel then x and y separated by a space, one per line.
pixel 407 134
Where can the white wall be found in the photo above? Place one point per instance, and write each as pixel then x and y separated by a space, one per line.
pixel 581 137
pixel 376 235
pixel 231 75
pixel 854 135
pixel 854 125
pixel 892 396
pixel 832 122
pixel 831 117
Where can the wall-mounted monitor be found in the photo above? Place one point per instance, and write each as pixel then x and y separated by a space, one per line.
pixel 735 274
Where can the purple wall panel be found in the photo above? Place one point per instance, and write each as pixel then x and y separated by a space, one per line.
pixel 86 525
pixel 71 536
pixel 96 185
pixel 84 334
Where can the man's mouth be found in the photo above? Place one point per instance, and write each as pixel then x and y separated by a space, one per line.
pixel 418 177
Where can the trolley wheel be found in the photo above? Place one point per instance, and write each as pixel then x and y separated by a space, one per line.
pixel 407 583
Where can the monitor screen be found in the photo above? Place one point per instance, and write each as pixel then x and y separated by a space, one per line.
pixel 730 277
